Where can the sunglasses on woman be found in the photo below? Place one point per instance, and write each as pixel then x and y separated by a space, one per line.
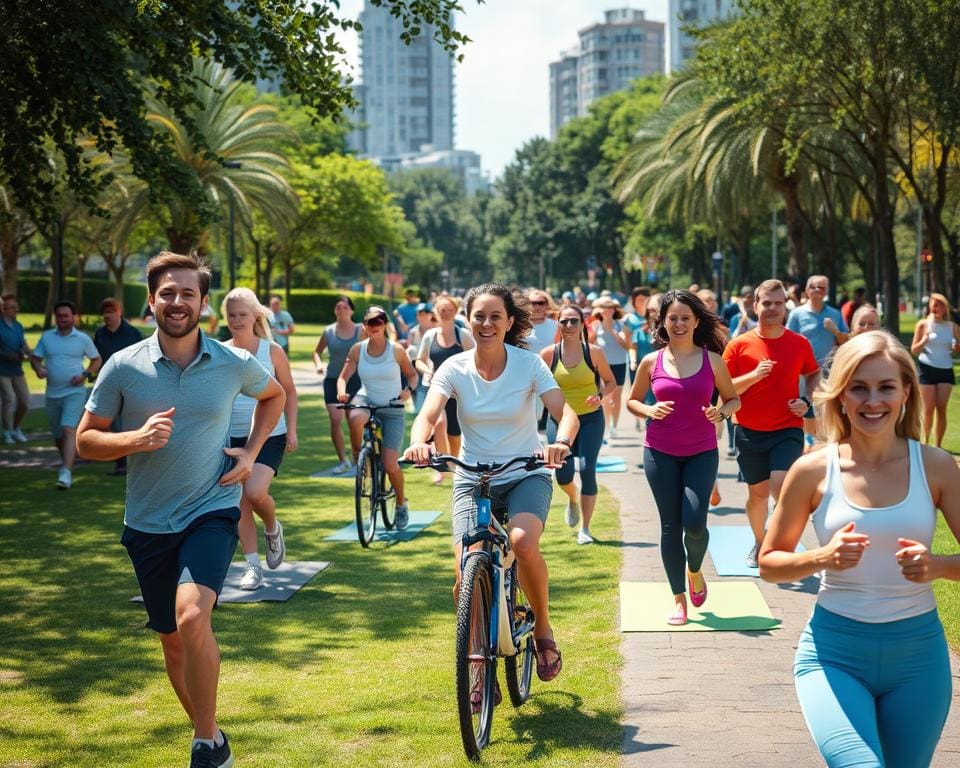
pixel 538 303
pixel 374 322
pixel 569 321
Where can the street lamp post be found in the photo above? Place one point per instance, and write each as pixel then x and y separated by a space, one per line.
pixel 232 240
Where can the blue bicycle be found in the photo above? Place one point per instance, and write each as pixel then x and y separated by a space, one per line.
pixel 493 617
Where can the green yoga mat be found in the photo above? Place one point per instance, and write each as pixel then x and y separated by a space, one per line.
pixel 418 521
pixel 731 605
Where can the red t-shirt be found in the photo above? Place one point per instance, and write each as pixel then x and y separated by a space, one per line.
pixel 764 406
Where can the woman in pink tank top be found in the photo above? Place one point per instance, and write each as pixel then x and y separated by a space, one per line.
pixel 680 454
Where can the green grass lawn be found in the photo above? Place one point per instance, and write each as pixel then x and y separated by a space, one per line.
pixel 356 669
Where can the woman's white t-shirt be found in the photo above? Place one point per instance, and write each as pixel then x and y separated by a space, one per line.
pixel 497 417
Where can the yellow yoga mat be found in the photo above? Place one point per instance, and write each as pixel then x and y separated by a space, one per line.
pixel 731 605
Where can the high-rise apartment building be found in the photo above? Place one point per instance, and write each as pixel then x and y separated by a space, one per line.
pixel 611 54
pixel 407 90
pixel 695 13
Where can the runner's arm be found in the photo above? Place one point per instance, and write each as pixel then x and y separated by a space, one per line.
pixel 281 364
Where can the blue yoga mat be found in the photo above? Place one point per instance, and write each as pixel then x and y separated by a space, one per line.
pixel 418 521
pixel 729 545
pixel 611 464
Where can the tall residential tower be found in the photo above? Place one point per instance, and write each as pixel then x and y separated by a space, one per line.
pixel 610 56
pixel 697 13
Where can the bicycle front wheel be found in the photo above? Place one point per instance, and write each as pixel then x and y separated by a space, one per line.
pixel 476 660
pixel 366 496
pixel 519 669
pixel 388 500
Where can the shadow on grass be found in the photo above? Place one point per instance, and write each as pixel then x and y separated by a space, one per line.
pixel 551 721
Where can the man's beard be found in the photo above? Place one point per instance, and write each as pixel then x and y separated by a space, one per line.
pixel 178 334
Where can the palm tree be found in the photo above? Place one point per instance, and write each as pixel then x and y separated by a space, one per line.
pixel 240 158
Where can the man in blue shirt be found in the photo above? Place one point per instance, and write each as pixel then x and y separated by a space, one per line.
pixel 824 327
pixel 406 316
pixel 281 323
pixel 14 395
pixel 58 358
pixel 173 393
pixel 115 334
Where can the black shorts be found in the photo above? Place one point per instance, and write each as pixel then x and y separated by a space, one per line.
pixel 619 372
pixel 761 453
pixel 271 454
pixel 931 375
pixel 199 554
pixel 330 389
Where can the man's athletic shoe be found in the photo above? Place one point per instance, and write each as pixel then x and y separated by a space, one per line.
pixel 252 577
pixel 572 513
pixel 584 537
pixel 752 555
pixel 276 549
pixel 343 466
pixel 18 435
pixel 64 479
pixel 204 756
pixel 403 516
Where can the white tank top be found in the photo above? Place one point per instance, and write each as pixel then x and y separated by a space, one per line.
pixel 242 417
pixel 936 352
pixel 379 376
pixel 874 590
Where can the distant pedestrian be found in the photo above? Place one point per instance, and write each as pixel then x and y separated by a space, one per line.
pixel 174 394
pixel 281 324
pixel 613 337
pixel 58 358
pixel 249 326
pixel 935 341
pixel 115 334
pixel 849 308
pixel 824 327
pixel 14 394
pixel 337 339
pixel 864 319
pixel 406 315
pixel 680 456
pixel 766 365
pixel 872 667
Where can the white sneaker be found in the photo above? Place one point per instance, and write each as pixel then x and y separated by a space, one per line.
pixel 572 514
pixel 252 577
pixel 343 466
pixel 613 433
pixel 276 549
pixel 18 435
pixel 7 437
pixel 584 537
pixel 402 516
pixel 751 559
pixel 64 479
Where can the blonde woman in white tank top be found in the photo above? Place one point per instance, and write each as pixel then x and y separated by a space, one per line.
pixel 872 669
pixel 934 342
pixel 247 319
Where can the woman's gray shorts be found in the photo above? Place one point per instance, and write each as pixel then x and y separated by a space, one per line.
pixel 530 493
pixel 393 422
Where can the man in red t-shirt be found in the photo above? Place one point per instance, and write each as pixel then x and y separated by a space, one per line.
pixel 766 365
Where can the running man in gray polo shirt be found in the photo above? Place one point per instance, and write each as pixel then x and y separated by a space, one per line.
pixel 173 394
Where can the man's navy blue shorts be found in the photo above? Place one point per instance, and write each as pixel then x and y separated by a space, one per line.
pixel 199 554
pixel 760 453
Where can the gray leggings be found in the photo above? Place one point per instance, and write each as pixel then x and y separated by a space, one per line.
pixel 681 486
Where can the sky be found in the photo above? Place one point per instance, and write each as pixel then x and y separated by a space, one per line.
pixel 503 84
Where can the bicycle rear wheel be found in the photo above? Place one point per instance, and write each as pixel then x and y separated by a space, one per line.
pixel 366 496
pixel 476 661
pixel 519 669
pixel 388 499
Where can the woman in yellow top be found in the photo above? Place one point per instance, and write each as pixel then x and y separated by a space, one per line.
pixel 584 376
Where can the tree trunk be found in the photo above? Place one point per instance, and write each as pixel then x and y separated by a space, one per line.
pixel 887 250
pixel 287 273
pixel 10 246
pixel 181 242
pixel 796 263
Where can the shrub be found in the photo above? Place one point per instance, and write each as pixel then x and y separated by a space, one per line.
pixel 32 294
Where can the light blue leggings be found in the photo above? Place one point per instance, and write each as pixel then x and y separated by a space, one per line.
pixel 874 695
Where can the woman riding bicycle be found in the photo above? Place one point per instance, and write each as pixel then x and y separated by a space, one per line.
pixel 495 385
pixel 379 362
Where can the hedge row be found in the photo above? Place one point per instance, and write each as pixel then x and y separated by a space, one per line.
pixel 316 305
pixel 32 294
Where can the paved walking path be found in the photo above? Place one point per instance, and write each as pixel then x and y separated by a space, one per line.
pixel 723 699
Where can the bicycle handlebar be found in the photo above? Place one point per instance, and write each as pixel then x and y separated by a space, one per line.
pixel 439 461
pixel 371 408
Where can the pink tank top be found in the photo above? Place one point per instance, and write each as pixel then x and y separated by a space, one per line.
pixel 686 431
